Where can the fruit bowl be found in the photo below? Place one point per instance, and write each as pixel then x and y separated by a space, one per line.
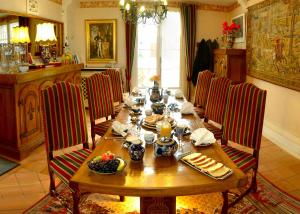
pixel 107 164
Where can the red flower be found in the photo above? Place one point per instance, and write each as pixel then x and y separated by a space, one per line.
pixel 230 29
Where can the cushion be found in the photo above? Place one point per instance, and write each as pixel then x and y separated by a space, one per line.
pixel 64 166
pixel 101 128
pixel 243 160
pixel 216 131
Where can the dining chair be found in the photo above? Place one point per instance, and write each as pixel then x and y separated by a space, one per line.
pixel 243 123
pixel 215 106
pixel 101 104
pixel 64 123
pixel 116 83
pixel 201 92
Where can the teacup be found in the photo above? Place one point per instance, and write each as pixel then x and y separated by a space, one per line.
pixel 135 108
pixel 148 112
pixel 149 137
pixel 165 98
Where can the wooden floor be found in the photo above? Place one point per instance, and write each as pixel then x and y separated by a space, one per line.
pixel 26 184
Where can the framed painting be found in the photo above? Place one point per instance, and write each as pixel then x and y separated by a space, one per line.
pixel 32 7
pixel 240 34
pixel 101 41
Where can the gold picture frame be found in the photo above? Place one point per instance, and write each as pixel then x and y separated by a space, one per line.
pixel 101 41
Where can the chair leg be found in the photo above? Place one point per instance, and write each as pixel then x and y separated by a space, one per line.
pixel 254 182
pixel 225 202
pixel 76 199
pixel 93 141
pixel 52 189
pixel 122 198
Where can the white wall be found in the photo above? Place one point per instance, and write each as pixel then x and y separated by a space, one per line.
pixel 209 24
pixel 76 17
pixel 47 9
pixel 282 116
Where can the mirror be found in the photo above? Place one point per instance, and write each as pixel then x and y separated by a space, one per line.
pixel 8 21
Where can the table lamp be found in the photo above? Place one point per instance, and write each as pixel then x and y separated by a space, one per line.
pixel 45 36
pixel 20 39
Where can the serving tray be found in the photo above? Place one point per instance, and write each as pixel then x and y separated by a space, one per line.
pixel 230 172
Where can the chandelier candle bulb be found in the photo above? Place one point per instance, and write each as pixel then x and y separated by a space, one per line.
pixel 122 3
pixel 142 8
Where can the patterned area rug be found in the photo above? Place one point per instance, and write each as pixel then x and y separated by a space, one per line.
pixel 6 165
pixel 268 199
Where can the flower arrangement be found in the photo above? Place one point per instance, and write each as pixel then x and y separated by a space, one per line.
pixel 155 78
pixel 228 33
pixel 230 29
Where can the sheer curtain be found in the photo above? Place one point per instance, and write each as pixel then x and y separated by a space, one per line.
pixel 158 52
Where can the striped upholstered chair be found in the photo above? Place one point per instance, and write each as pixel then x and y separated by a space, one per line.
pixel 201 92
pixel 64 126
pixel 243 123
pixel 116 83
pixel 101 104
pixel 215 106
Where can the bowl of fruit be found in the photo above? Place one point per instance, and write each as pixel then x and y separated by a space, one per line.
pixel 107 163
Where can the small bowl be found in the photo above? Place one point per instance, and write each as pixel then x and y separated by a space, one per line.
pixel 158 108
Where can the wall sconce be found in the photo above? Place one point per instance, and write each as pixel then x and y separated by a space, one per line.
pixel 20 39
pixel 45 36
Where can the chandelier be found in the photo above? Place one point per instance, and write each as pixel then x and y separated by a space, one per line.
pixel 139 13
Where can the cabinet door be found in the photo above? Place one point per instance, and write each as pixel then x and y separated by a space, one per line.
pixel 77 78
pixel 29 111
pixel 220 65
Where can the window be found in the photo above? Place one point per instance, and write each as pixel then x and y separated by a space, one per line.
pixel 3 34
pixel 158 52
pixel 6 30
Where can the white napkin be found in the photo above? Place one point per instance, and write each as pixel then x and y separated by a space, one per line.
pixel 135 91
pixel 119 128
pixel 202 136
pixel 187 108
pixel 129 101
pixel 178 94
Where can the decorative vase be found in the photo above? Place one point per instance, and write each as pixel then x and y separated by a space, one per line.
pixel 156 94
pixel 229 40
pixel 136 151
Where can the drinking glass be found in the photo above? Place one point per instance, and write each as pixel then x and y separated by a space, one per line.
pixel 180 128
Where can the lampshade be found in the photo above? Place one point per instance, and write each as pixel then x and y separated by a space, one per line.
pixel 45 33
pixel 20 35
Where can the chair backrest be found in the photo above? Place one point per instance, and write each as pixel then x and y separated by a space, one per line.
pixel 116 83
pixel 244 115
pixel 216 100
pixel 63 116
pixel 202 88
pixel 100 96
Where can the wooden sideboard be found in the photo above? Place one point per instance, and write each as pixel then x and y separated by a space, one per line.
pixel 230 63
pixel 21 127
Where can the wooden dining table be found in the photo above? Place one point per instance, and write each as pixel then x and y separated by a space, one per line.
pixel 156 180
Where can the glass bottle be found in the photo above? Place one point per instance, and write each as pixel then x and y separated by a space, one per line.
pixel 166 128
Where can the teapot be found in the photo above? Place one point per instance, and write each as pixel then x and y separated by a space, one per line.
pixel 155 93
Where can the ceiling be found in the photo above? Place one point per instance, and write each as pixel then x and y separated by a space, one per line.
pixel 214 2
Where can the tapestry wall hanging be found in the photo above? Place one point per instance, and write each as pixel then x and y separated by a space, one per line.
pixel 273 42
